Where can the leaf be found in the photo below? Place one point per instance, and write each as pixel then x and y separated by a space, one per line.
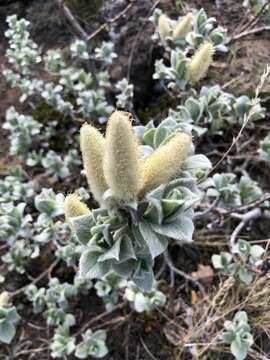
pixel 112 253
pixel 81 351
pixel 182 230
pixel 148 137
pixel 82 226
pixel 245 275
pixel 7 332
pixel 143 277
pixel 126 249
pixel 196 162
pixel 239 349
pixel 256 251
pixel 160 135
pixel 157 245
pixel 204 274
pixel 87 261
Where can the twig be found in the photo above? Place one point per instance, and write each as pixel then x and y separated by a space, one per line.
pixel 247 116
pixel 247 33
pixel 246 218
pixel 110 21
pixel 255 20
pixel 183 274
pixel 147 350
pixel 99 317
pixel 202 214
pixel 80 33
pixel 36 280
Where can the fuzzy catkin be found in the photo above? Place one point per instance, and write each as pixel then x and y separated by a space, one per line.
pixel 4 298
pixel 165 162
pixel 200 62
pixel 121 165
pixel 164 26
pixel 183 27
pixel 93 150
pixel 73 207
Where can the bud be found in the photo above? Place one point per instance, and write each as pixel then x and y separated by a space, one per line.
pixel 164 26
pixel 200 62
pixel 93 150
pixel 121 165
pixel 183 27
pixel 73 206
pixel 165 162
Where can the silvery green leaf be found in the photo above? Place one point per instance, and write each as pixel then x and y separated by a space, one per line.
pixel 245 275
pixel 7 332
pixel 154 211
pixel 221 261
pixel 82 351
pixel 112 253
pixel 140 302
pixel 82 226
pixel 241 316
pixel 157 244
pixel 148 137
pixel 256 251
pixel 143 277
pixel 170 206
pixel 87 261
pixel 195 108
pixel 182 230
pixel 161 133
pixel 239 349
pixel 124 269
pixel 126 249
pixel 196 162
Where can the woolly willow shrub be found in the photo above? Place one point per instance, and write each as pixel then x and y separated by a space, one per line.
pixel 147 199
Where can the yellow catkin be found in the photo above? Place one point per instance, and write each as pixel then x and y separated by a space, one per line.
pixel 4 298
pixel 93 150
pixel 164 26
pixel 183 27
pixel 165 162
pixel 73 207
pixel 121 165
pixel 200 62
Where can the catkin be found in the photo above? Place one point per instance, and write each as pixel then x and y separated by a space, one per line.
pixel 121 165
pixel 73 207
pixel 164 164
pixel 200 62
pixel 93 149
pixel 183 27
pixel 164 26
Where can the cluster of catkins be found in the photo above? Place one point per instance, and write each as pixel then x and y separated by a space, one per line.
pixel 198 65
pixel 114 166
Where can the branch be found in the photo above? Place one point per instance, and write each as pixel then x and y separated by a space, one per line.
pixel 245 219
pixel 247 33
pixel 186 276
pixel 80 33
pixel 110 21
pixel 255 20
pixel 36 280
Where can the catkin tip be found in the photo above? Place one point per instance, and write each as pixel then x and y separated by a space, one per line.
pixel 73 206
